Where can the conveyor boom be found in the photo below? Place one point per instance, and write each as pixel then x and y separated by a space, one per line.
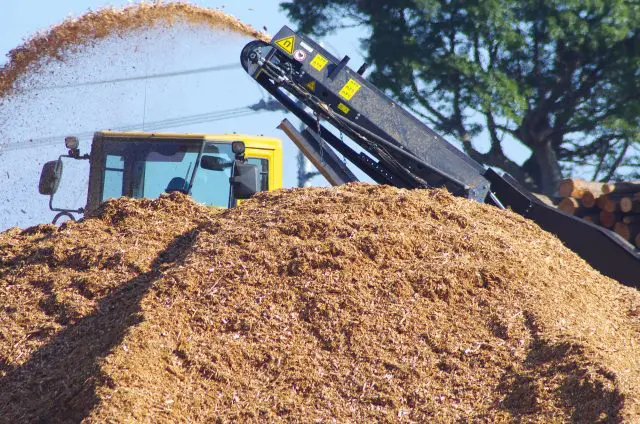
pixel 399 150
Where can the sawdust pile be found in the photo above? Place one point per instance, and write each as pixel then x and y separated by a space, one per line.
pixel 93 26
pixel 355 304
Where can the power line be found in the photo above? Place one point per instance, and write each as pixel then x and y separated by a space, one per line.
pixel 261 106
pixel 149 126
pixel 138 78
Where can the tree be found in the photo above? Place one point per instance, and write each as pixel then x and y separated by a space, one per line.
pixel 560 76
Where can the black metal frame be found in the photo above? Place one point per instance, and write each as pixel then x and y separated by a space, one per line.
pixel 378 124
pixel 408 153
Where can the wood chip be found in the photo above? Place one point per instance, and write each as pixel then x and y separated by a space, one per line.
pixel 356 304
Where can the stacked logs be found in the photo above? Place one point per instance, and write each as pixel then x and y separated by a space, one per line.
pixel 615 206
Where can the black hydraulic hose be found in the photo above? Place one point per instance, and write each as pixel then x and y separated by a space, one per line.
pixel 336 143
pixel 398 149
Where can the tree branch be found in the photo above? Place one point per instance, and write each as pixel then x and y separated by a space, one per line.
pixel 491 126
pixel 618 160
pixel 495 156
pixel 570 102
pixel 602 154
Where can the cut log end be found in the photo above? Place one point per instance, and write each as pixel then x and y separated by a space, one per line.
pixel 568 205
pixel 609 219
pixel 622 230
pixel 588 199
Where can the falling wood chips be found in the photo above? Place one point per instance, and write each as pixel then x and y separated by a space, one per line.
pixel 356 304
pixel 74 33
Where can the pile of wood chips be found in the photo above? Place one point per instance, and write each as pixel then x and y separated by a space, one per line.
pixel 615 206
pixel 352 304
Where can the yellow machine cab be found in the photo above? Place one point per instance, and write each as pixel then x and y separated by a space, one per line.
pixel 216 170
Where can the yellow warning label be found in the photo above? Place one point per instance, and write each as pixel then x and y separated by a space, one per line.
pixel 311 85
pixel 286 43
pixel 343 108
pixel 349 89
pixel 318 62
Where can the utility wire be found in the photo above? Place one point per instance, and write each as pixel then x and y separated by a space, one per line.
pixel 261 106
pixel 138 78
pixel 149 126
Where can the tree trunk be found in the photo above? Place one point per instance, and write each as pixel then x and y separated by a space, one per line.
pixel 550 173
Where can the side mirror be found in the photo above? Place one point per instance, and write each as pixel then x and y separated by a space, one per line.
pixel 214 163
pixel 245 180
pixel 50 177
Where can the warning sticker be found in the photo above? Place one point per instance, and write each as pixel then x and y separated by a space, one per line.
pixel 343 108
pixel 311 85
pixel 318 62
pixel 349 89
pixel 286 43
pixel 299 55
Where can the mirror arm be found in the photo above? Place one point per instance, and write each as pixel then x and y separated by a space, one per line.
pixel 232 192
pixel 79 210
pixel 63 210
pixel 75 154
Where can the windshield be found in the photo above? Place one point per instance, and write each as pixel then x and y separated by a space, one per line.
pixel 150 168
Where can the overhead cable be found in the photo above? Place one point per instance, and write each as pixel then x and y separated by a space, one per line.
pixel 136 78
pixel 148 126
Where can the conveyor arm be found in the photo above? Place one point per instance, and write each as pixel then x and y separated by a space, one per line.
pixel 404 152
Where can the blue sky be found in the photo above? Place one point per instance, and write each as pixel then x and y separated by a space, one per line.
pixel 33 124
pixel 46 115
pixel 21 19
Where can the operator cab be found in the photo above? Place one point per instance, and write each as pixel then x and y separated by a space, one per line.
pixel 215 170
pixel 149 168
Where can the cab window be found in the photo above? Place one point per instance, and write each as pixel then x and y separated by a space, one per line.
pixel 148 168
pixel 212 187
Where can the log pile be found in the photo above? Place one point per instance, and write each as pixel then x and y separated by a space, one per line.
pixel 615 206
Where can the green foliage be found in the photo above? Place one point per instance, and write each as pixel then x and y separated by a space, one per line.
pixel 560 76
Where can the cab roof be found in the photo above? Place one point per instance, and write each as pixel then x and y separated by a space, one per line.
pixel 255 141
